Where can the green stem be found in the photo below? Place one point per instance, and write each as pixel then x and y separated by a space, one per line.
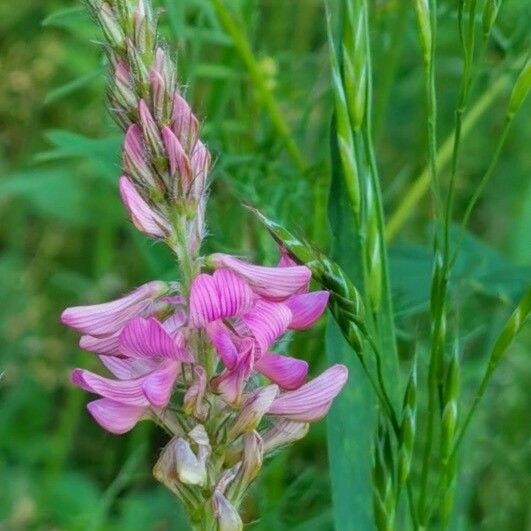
pixel 243 47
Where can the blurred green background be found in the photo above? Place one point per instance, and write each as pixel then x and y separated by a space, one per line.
pixel 65 240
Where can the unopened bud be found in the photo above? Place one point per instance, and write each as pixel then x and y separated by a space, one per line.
pixel 159 97
pixel 180 167
pixel 135 157
pixel 253 409
pixel 151 132
pixel 190 470
pixel 253 452
pixel 163 64
pixel 138 68
pixel 193 398
pixel 184 123
pixel 123 87
pixel 110 26
pixel 226 515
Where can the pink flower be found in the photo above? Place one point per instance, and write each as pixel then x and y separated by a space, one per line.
pixel 150 362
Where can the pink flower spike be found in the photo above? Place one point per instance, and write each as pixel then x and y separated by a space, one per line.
pixel 158 386
pixel 110 317
pixel 267 321
pixel 147 338
pixel 115 417
pixel 311 401
pixel 145 219
pixel 306 308
pixel 222 341
pixel 179 162
pixel 288 373
pixel 124 391
pixel 276 283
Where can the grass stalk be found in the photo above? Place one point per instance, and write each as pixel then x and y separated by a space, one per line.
pixel 243 47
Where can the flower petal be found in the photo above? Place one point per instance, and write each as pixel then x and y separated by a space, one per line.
pixel 124 391
pixel 306 308
pixel 221 338
pixel 110 317
pixel 311 401
pixel 128 368
pixel 115 417
pixel 144 218
pixel 108 345
pixel 288 373
pixel 147 338
pixel 276 283
pixel 158 385
pixel 267 321
pixel 219 296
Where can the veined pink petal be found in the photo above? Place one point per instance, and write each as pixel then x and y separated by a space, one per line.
pixel 204 301
pixel 288 373
pixel 101 345
pixel 230 383
pixel 109 317
pixel 306 308
pixel 147 338
pixel 311 401
pixel 222 341
pixel 276 283
pixel 124 391
pixel 267 321
pixel 179 161
pixel 142 215
pixel 219 296
pixel 115 417
pixel 128 368
pixel 158 385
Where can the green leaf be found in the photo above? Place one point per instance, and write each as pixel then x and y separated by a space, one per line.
pixel 351 421
pixel 66 18
pixel 72 86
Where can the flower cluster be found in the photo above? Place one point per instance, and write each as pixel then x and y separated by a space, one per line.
pixel 195 356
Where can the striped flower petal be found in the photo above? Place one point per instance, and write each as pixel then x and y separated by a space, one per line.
pixel 128 392
pixel 147 338
pixel 128 368
pixel 306 308
pixel 144 218
pixel 158 386
pixel 221 338
pixel 267 321
pixel 115 417
pixel 108 345
pixel 276 283
pixel 110 317
pixel 288 373
pixel 311 401
pixel 219 296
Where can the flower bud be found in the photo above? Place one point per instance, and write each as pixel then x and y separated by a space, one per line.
pixel 151 133
pixel 110 26
pixel 135 158
pixel 253 452
pixel 138 68
pixel 123 86
pixel 189 468
pixel 253 409
pixel 163 64
pixel 159 97
pixel 193 398
pixel 226 515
